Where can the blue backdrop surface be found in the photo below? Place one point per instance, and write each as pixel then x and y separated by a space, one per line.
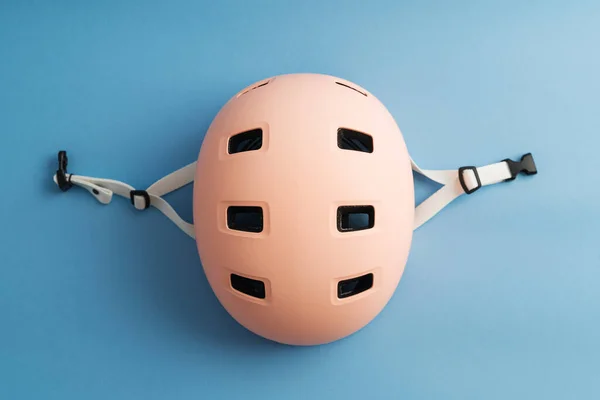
pixel 500 298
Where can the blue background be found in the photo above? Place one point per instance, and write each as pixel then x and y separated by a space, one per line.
pixel 500 298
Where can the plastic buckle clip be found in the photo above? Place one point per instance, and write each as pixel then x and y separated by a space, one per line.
pixel 134 193
pixel 64 183
pixel 526 166
pixel 461 179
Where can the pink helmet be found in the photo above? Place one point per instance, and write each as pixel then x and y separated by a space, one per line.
pixel 306 229
pixel 305 217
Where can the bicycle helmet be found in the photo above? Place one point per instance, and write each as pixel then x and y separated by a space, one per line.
pixel 304 219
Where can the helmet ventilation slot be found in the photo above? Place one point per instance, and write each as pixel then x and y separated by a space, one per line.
pixel 354 286
pixel 245 141
pixel 245 218
pixel 350 87
pixel 347 139
pixel 355 218
pixel 251 287
pixel 255 87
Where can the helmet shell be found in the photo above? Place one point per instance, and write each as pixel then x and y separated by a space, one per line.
pixel 303 157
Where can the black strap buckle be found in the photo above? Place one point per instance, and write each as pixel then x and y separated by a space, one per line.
pixel 461 179
pixel 526 166
pixel 64 183
pixel 134 193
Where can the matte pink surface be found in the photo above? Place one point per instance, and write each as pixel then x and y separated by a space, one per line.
pixel 300 177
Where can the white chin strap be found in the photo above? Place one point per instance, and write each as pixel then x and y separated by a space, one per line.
pixel 465 180
pixel 103 190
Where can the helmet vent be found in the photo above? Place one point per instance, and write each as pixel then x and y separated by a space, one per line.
pixel 245 141
pixel 350 87
pixel 354 286
pixel 355 218
pixel 251 287
pixel 254 87
pixel 245 218
pixel 347 139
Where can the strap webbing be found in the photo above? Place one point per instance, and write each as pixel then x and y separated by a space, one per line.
pixel 452 188
pixel 455 183
pixel 103 190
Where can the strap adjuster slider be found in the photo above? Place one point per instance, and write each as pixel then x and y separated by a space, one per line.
pixel 136 194
pixel 461 179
